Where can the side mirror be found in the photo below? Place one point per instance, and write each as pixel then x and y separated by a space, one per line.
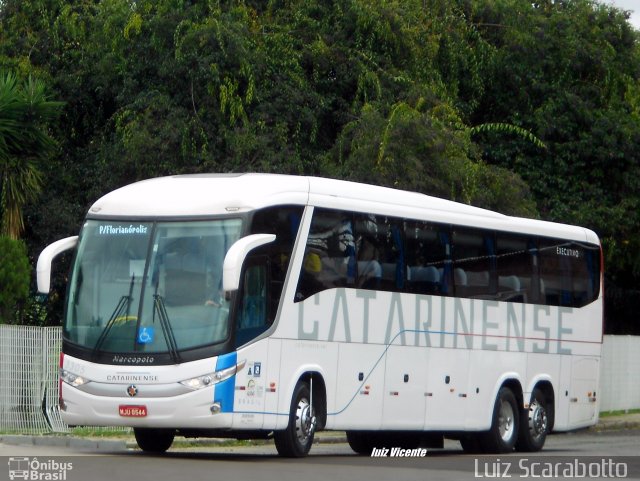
pixel 235 257
pixel 43 269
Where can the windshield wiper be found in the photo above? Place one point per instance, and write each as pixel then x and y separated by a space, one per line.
pixel 123 303
pixel 167 330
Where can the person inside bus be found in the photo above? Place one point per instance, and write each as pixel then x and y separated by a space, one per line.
pixel 369 267
pixel 335 247
pixel 310 282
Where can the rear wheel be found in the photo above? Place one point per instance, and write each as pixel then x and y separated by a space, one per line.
pixel 502 436
pixel 154 440
pixel 296 440
pixel 534 424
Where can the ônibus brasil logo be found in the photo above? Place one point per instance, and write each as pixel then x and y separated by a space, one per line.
pixel 35 470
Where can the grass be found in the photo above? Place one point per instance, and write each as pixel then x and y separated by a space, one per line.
pixel 606 414
pixel 88 432
pixel 96 432
pixel 126 434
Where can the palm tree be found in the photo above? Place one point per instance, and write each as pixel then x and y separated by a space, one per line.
pixel 25 112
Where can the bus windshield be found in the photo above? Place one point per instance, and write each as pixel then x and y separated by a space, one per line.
pixel 149 287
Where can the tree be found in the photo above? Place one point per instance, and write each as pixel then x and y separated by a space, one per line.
pixel 565 71
pixel 14 277
pixel 24 141
pixel 447 97
pixel 568 72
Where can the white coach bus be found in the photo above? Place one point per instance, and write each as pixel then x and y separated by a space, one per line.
pixel 259 306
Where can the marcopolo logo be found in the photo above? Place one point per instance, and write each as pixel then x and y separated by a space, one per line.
pixel 36 470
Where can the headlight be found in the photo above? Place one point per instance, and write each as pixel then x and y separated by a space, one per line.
pixel 72 379
pixel 213 378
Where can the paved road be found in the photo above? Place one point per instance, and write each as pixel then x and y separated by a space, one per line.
pixel 333 462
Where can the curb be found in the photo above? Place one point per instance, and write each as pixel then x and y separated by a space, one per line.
pixel 65 442
pixel 107 445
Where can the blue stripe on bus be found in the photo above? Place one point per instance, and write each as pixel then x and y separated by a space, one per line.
pixel 224 391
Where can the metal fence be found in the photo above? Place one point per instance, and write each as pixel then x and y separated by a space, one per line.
pixel 29 377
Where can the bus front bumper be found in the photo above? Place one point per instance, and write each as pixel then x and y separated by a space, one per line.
pixel 196 409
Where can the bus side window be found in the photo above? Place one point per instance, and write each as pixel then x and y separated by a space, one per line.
pixel 514 265
pixel 367 252
pixel 330 256
pixel 570 272
pixel 252 310
pixel 426 258
pixel 474 263
pixel 284 222
pixel 382 258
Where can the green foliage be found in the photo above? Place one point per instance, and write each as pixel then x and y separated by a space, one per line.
pixel 507 129
pixel 24 112
pixel 527 108
pixel 569 75
pixel 14 278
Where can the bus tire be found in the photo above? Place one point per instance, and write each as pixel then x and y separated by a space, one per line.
pixel 362 442
pixel 534 424
pixel 295 441
pixel 154 440
pixel 502 436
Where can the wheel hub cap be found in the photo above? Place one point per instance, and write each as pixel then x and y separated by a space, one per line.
pixel 305 420
pixel 505 421
pixel 537 420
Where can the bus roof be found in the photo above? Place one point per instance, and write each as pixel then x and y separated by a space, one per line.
pixel 201 195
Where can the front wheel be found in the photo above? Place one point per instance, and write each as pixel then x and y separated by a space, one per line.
pixel 502 436
pixel 154 440
pixel 295 441
pixel 534 424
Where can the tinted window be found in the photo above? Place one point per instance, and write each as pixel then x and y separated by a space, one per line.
pixel 385 253
pixel 428 264
pixel 515 269
pixel 283 221
pixel 330 256
pixel 569 273
pixel 252 317
pixel 369 251
pixel 380 252
pixel 474 263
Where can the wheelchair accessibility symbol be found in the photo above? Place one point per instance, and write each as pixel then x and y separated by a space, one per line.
pixel 146 335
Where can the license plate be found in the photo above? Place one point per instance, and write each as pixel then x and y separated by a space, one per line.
pixel 133 411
